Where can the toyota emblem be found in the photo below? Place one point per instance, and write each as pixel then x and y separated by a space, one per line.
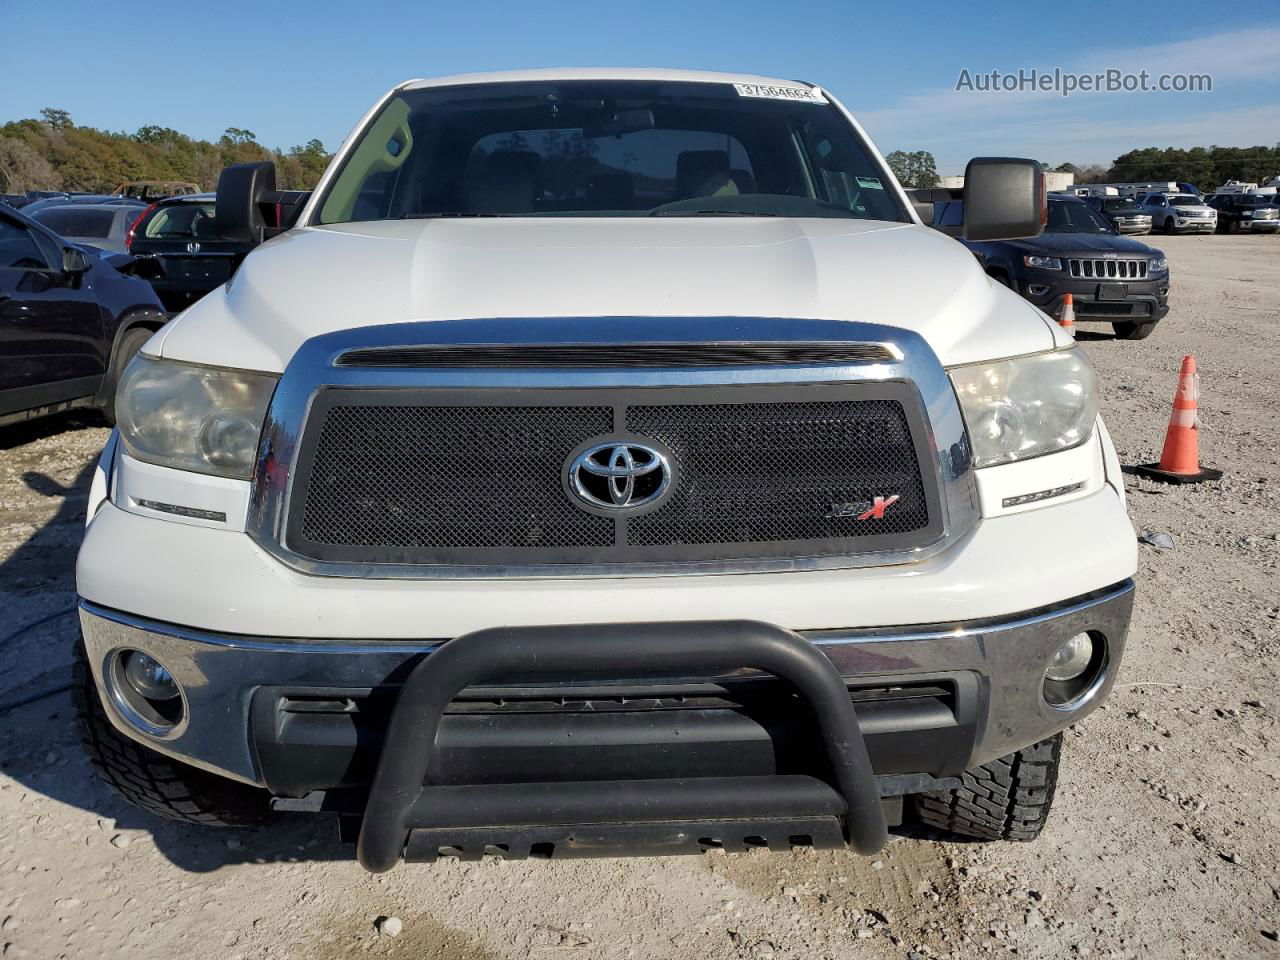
pixel 619 475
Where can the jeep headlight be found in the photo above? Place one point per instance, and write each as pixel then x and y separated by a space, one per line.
pixel 1044 263
pixel 181 415
pixel 1028 406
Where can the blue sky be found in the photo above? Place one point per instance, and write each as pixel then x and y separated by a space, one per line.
pixel 293 71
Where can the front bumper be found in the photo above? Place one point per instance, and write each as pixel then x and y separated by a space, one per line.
pixel 1188 225
pixel 1144 299
pixel 1131 227
pixel 302 717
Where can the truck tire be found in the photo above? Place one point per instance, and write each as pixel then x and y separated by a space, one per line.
pixel 1129 330
pixel 1006 799
pixel 131 342
pixel 1169 226
pixel 151 781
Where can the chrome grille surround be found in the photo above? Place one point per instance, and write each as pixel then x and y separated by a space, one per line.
pixel 313 370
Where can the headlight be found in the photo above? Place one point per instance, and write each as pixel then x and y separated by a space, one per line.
pixel 1159 264
pixel 1028 406
pixel 204 419
pixel 1044 263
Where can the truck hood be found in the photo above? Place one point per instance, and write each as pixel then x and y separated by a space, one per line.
pixel 1084 244
pixel 316 280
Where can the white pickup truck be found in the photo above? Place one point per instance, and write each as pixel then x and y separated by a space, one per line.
pixel 605 461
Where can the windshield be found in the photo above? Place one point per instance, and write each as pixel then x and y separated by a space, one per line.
pixel 1185 202
pixel 1069 217
pixel 1120 206
pixel 608 149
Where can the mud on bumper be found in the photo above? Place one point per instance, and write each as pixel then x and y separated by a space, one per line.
pixel 621 738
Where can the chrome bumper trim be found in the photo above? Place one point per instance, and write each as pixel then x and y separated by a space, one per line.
pixel 220 672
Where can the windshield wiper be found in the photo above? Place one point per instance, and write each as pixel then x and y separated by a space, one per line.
pixel 710 213
pixel 449 215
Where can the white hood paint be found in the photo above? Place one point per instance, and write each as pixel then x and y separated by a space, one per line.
pixel 317 280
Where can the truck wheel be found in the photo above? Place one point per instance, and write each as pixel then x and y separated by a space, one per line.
pixel 1128 330
pixel 152 781
pixel 130 343
pixel 1006 799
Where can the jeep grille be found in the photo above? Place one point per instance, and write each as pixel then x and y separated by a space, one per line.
pixel 1109 269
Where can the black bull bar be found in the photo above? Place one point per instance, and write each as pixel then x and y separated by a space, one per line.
pixel 406 815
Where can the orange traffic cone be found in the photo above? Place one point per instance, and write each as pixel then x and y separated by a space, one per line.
pixel 1180 459
pixel 1067 318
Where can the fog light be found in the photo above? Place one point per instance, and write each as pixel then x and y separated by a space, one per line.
pixel 146 694
pixel 1072 659
pixel 148 676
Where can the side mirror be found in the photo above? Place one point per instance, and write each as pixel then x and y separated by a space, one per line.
pixel 1004 199
pixel 237 212
pixel 74 262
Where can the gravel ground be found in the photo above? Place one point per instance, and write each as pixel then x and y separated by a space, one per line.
pixel 1165 839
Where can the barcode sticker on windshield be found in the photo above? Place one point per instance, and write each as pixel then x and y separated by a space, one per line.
pixel 771 91
pixel 869 183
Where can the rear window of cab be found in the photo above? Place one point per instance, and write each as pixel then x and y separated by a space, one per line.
pixel 181 221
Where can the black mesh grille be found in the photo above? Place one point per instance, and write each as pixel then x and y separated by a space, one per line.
pixel 763 472
pixel 385 478
pixel 451 478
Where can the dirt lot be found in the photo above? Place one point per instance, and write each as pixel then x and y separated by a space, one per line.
pixel 1165 840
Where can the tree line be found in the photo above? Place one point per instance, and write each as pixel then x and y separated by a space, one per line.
pixel 1206 167
pixel 54 153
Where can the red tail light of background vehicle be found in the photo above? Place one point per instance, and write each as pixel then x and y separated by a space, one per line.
pixel 128 237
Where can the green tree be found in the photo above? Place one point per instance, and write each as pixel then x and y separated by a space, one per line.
pixel 239 135
pixel 57 119
pixel 914 170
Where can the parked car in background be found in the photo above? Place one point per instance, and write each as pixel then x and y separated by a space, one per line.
pixel 149 191
pixel 97 224
pixel 1246 213
pixel 1123 213
pixel 178 250
pixel 75 199
pixel 1111 278
pixel 1178 213
pixel 70 321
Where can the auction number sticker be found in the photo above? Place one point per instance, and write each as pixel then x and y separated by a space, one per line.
pixel 771 91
